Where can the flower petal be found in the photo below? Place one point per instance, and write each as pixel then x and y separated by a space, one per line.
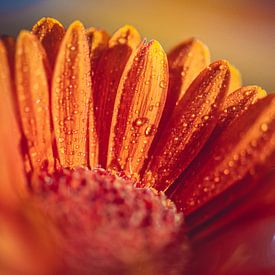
pixel 186 61
pixel 8 47
pixel 246 229
pixel 258 199
pixel 189 127
pixel 33 100
pixel 71 93
pixel 26 235
pixel 138 108
pixel 50 32
pixel 11 164
pixel 236 104
pixel 242 153
pixel 235 80
pixel 106 79
pixel 98 42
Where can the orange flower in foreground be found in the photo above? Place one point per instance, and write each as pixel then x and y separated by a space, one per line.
pixel 171 131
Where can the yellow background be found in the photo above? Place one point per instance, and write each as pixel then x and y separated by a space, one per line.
pixel 241 31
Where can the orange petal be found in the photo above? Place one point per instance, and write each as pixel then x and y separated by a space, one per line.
pixel 7 50
pixel 98 42
pixel 106 79
pixel 71 92
pixel 243 151
pixel 50 32
pixel 186 61
pixel 138 108
pixel 33 100
pixel 25 236
pixel 189 127
pixel 8 44
pixel 11 163
pixel 236 104
pixel 235 80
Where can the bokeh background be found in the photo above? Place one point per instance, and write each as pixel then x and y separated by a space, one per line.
pixel 241 31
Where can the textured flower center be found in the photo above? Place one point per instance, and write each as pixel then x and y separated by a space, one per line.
pixel 110 226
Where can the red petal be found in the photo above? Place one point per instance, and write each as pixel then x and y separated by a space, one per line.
pixel 189 127
pixel 246 229
pixel 50 32
pixel 98 42
pixel 106 79
pixel 138 107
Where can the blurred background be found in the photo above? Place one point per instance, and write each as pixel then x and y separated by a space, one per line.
pixel 241 31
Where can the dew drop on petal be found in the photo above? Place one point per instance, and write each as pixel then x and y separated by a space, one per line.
pixel 264 127
pixel 150 130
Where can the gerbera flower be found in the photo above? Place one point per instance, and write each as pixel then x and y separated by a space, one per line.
pixel 103 138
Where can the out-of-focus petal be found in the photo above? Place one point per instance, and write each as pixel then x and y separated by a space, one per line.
pixel 71 96
pixel 11 164
pixel 8 45
pixel 138 108
pixel 192 122
pixel 241 239
pixel 231 164
pixel 33 100
pixel 50 32
pixel 26 244
pixel 235 79
pixel 106 80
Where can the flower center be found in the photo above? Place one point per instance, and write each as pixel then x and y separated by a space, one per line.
pixel 107 225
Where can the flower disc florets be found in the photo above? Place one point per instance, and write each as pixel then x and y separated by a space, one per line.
pixel 108 226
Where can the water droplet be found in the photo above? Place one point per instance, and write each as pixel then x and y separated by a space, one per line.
pixel 205 117
pixel 162 84
pixel 27 109
pixel 264 127
pixel 140 121
pixel 150 130
pixel 226 171
pixel 122 40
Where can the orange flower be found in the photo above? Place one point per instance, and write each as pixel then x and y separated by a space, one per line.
pixel 169 130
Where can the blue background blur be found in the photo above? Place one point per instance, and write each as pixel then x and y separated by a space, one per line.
pixel 241 31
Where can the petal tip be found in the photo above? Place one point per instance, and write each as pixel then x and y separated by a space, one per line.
pixel 48 21
pixel 77 25
pixel 125 35
pixel 25 35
